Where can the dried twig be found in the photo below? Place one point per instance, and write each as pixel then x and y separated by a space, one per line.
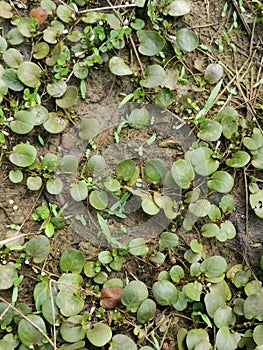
pixel 243 20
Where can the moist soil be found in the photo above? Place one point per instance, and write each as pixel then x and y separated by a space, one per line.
pixel 104 92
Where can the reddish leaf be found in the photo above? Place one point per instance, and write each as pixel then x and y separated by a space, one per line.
pixel 39 14
pixel 110 297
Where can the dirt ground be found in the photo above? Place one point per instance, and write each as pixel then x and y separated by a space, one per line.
pixel 103 91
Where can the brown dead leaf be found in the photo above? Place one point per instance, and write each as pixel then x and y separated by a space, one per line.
pixel 39 14
pixel 110 297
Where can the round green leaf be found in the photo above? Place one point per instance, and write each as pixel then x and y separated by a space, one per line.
pixel 74 36
pixel 238 159
pixel 186 40
pixel 68 164
pixel 158 258
pixel 98 199
pixel 241 278
pixel 214 266
pixel 222 288
pixel 119 67
pixel 28 334
pixel 125 169
pixel 255 201
pixel 112 185
pixel 151 43
pixel 221 182
pixel 165 293
pixel 193 290
pixel 23 155
pixel 121 341
pixel 168 240
pixel 214 213
pixel 138 118
pixel 90 269
pixel 196 246
pixel 133 295
pixel 14 37
pixel 105 257
pixel 210 230
pixel 137 246
pixel 227 203
pixel 79 191
pixel 227 231
pixel 224 316
pixel 24 26
pixel 200 208
pixel 54 186
pixel 182 173
pixel 182 301
pixel 71 330
pixel 29 73
pixel 11 79
pixel 70 283
pixel 65 13
pixel 257 160
pixel 41 293
pixel 41 50
pixel 154 170
pixel 13 58
pixel 192 257
pixel 50 36
pixel 179 8
pixel 3 44
pixel 69 303
pixel 210 130
pixel 50 311
pixel 48 5
pixel 258 334
pixel 38 247
pixel 39 113
pixel 7 273
pixel 15 176
pixel 213 301
pixel 57 89
pixel 164 98
pixel 255 141
pixel 176 273
pixel 80 71
pixel 201 159
pixel 253 307
pixel 72 261
pixel 113 282
pixel 95 166
pixel 34 183
pixel 100 277
pixel 23 123
pixel 7 314
pixel 5 10
pixel 226 339
pixel 99 334
pixel 149 206
pixel 69 98
pixel 213 73
pixel 228 118
pixel 55 124
pixel 3 88
pixel 195 337
pixel 146 311
pixel 89 128
pixel 154 76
